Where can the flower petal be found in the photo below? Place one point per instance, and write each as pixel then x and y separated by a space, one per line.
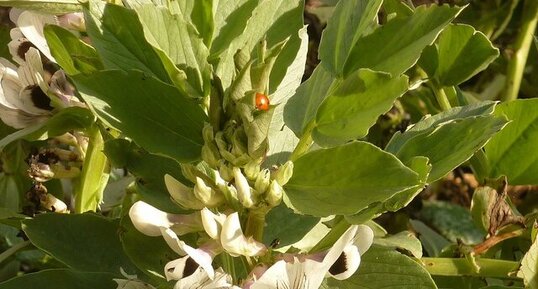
pixel 148 219
pixel 212 223
pixel 364 238
pixel 31 25
pixel 235 243
pixel 182 194
pixel 200 280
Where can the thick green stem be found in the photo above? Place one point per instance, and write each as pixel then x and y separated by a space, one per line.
pixel 304 142
pixel 256 223
pixel 9 252
pixel 461 267
pixel 516 64
pixel 441 97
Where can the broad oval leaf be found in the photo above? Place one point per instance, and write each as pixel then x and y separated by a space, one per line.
pixel 529 267
pixel 462 52
pixel 286 226
pixel 397 45
pixel 85 242
pixel 448 138
pixel 158 117
pixel 62 279
pixel 346 179
pixel 349 112
pixel 350 20
pixel 385 268
pixel 510 152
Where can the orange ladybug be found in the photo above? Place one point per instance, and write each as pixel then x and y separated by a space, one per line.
pixel 262 101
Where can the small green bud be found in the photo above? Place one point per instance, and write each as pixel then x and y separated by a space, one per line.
pixel 244 193
pixel 225 171
pixel 239 142
pixel 189 172
pixel 274 194
pixel 252 170
pixel 207 195
pixel 182 194
pixel 207 133
pixel 262 181
pixel 284 173
pixel 222 144
pixel 210 154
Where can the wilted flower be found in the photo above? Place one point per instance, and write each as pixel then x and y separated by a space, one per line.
pixel 308 271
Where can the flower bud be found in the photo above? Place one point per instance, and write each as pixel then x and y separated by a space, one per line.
pixel 221 142
pixel 225 171
pixel 206 194
pixel 73 21
pixel 238 142
pixel 182 194
pixel 262 181
pixel 243 188
pixel 51 203
pixel 274 195
pixel 207 133
pixel 252 170
pixel 189 172
pixel 210 154
pixel 284 173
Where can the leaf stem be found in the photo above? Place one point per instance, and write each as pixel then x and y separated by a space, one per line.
pixel 304 142
pixel 331 237
pixel 461 267
pixel 441 97
pixel 516 64
pixel 9 252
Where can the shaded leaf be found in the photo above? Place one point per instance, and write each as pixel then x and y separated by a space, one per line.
pixel 284 225
pixel 62 279
pixel 156 116
pixel 47 6
pixel 85 242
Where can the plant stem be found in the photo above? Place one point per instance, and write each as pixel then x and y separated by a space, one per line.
pixel 516 64
pixel 494 240
pixel 461 267
pixel 256 223
pixel 304 142
pixel 441 97
pixel 9 252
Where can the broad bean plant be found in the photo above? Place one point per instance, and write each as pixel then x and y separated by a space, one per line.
pixel 180 144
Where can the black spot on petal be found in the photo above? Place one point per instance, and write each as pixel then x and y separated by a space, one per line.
pixel 190 267
pixel 340 265
pixel 39 98
pixel 24 46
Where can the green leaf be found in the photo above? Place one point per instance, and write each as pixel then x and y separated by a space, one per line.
pixel 68 119
pixel 284 225
pixel 350 21
pixel 62 279
pixel 452 221
pixel 397 45
pixel 94 176
pixel 529 267
pixel 282 140
pixel 403 240
pixel 385 268
pixel 302 107
pixel 149 170
pixel 179 39
pixel 155 254
pixel 47 6
pixel 230 21
pixel 433 242
pixel 348 112
pixel 346 179
pixel 448 138
pixel 462 52
pixel 71 53
pixel 122 48
pixel 85 242
pixel 157 116
pixel 508 152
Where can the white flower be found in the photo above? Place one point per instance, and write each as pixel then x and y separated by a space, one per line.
pixel 29 33
pixel 227 230
pixel 182 194
pixel 72 21
pixel 193 258
pixel 308 272
pixel 200 280
pixel 151 221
